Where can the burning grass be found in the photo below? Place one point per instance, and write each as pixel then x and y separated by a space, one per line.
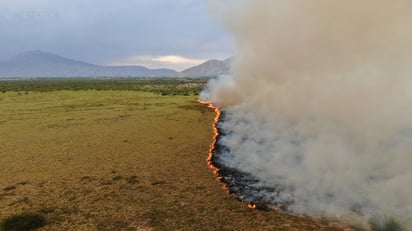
pixel 214 137
pixel 119 160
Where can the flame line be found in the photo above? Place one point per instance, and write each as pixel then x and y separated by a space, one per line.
pixel 214 141
pixel 212 147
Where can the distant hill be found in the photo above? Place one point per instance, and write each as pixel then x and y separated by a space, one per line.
pixel 43 64
pixel 210 68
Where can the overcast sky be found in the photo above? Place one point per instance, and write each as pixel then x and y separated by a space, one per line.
pixel 169 33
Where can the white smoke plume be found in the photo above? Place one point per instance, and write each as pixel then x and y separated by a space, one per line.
pixel 320 100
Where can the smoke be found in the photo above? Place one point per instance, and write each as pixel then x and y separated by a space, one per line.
pixel 320 101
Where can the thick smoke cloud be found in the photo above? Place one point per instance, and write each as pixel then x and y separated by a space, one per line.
pixel 320 101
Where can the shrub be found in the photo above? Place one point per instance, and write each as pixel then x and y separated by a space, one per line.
pixel 23 222
pixel 132 179
pixel 383 223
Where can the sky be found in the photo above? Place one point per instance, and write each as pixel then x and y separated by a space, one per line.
pixel 155 33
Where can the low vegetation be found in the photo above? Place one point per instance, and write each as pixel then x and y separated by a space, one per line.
pixel 117 159
pixel 23 222
pixel 163 86
pixel 384 223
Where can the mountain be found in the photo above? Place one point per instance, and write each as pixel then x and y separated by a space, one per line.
pixel 43 64
pixel 210 68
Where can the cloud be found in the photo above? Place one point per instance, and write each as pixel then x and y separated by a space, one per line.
pixel 99 32
pixel 166 61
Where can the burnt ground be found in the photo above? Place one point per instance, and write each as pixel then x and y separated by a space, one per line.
pixel 242 184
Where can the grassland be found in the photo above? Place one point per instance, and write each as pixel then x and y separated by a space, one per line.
pixel 118 160
pixel 162 86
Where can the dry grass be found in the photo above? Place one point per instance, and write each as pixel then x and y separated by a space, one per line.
pixel 119 160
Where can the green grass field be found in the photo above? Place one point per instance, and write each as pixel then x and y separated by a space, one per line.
pixel 119 160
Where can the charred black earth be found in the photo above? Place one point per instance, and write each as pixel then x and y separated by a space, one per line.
pixel 245 186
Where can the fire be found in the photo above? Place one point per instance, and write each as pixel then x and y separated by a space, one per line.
pixel 252 206
pixel 215 169
pixel 214 138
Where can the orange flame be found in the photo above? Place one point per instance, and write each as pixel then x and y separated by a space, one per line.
pixel 252 206
pixel 213 146
pixel 214 140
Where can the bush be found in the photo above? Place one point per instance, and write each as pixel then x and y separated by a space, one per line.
pixel 383 223
pixel 23 222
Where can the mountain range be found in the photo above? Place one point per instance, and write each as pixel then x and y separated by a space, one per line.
pixel 210 68
pixel 43 64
